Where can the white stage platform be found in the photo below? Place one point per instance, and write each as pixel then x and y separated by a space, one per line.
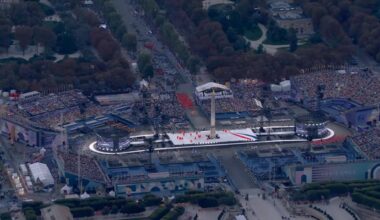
pixel 201 137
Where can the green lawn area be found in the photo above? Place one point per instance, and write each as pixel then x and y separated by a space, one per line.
pixel 253 34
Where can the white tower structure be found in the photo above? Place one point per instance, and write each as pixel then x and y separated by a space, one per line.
pixel 212 91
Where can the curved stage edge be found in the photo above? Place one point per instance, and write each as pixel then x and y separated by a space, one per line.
pixel 93 149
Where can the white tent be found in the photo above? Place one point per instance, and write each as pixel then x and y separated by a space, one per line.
pixel 112 193
pixel 211 85
pixel 240 217
pixel 275 88
pixel 143 84
pixel 285 85
pixel 84 196
pixel 42 151
pixel 41 173
pixel 66 190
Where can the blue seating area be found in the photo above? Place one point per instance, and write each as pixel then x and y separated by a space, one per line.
pixel 269 164
pixel 209 169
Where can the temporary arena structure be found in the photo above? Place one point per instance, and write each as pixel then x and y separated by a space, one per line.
pixel 205 91
pixel 41 174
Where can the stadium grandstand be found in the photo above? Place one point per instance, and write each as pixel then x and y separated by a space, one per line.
pixel 368 142
pixel 358 86
pixel 83 166
pixel 351 113
pixel 161 109
pixel 227 104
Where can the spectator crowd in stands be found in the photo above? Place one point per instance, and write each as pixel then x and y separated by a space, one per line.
pixel 244 99
pixel 160 108
pixel 89 169
pixel 359 86
pixel 369 142
pixel 61 108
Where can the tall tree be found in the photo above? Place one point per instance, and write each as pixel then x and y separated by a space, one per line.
pixel 144 63
pixel 292 38
pixel 24 36
pixel 45 37
pixel 129 41
pixel 5 36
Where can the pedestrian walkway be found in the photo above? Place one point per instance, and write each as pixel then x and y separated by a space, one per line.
pixel 333 208
pixel 268 48
pixel 238 174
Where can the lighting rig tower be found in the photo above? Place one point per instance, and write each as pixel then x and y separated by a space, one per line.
pixel 212 119
pixel 150 147
pixel 268 115
pixel 261 129
pixel 320 92
pixel 266 112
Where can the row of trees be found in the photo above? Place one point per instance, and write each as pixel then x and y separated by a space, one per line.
pixel 87 75
pixel 206 200
pixel 27 17
pixel 340 22
pixel 209 41
pixel 315 192
pixel 128 40
pixel 169 34
pixel 110 73
pixel 109 205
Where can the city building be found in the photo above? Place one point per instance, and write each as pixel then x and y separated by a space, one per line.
pixel 208 3
pixel 340 171
pixel 289 16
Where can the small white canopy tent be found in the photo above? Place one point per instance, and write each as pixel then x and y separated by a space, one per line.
pixel 66 190
pixel 112 193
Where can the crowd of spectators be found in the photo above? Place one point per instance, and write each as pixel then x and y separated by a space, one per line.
pixel 52 102
pixel 160 105
pixel 369 142
pixel 359 86
pixel 89 169
pixel 62 108
pixel 245 99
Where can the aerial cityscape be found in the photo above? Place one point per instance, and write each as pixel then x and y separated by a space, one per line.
pixel 189 109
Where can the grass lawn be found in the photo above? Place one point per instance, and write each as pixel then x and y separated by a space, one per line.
pixel 253 34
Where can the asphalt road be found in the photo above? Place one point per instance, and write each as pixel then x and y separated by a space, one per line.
pixel 240 177
pixel 135 23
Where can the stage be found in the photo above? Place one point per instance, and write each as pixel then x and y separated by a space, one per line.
pixel 202 137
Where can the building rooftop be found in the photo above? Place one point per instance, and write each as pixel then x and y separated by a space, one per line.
pixel 290 15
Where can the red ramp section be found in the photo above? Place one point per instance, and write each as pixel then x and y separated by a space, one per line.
pixel 333 140
pixel 185 100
